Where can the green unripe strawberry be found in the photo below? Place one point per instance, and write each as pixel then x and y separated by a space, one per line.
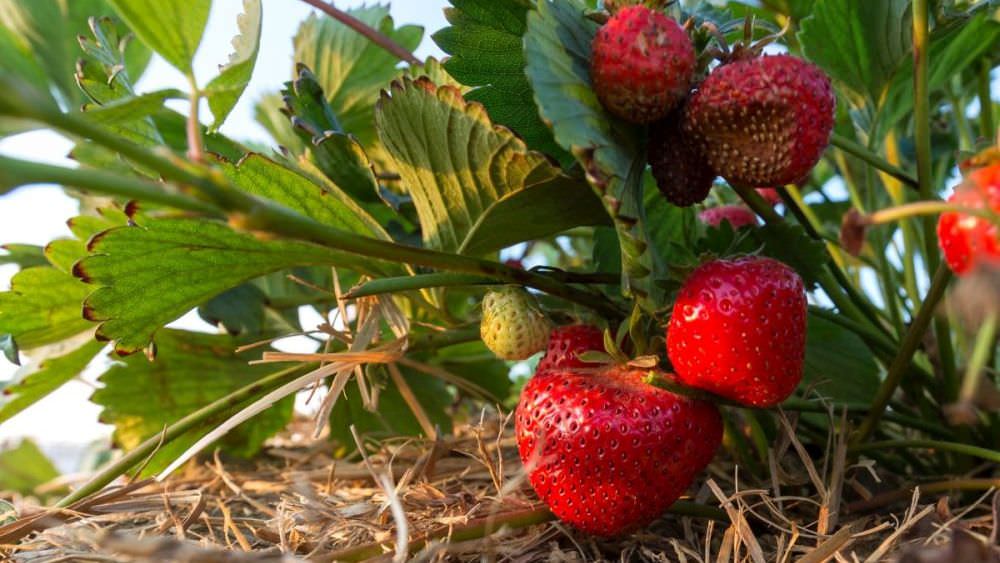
pixel 513 326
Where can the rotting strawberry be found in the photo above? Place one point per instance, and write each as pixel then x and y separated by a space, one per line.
pixel 642 64
pixel 969 240
pixel 738 329
pixel 513 327
pixel 762 121
pixel 682 173
pixel 566 343
pixel 607 451
pixel 738 216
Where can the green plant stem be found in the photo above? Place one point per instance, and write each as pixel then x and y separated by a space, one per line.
pixel 929 207
pixel 954 447
pixel 197 418
pixel 434 340
pixel 907 348
pixel 265 215
pixel 905 494
pixel 985 343
pixel 878 341
pixel 14 173
pixel 196 145
pixel 422 281
pixel 862 152
pixel 487 525
pixel 986 124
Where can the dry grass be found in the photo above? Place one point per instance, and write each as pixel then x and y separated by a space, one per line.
pixel 451 499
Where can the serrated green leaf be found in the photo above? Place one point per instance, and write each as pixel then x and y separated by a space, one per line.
pixel 838 363
pixel 17 59
pixel 24 468
pixel 557 50
pixel 350 68
pixel 473 362
pixel 43 306
pixel 485 44
pixel 268 112
pixel 436 73
pixel 191 370
pixel 183 262
pixel 63 253
pixel 225 89
pixel 456 166
pixel 131 108
pixel 340 157
pixel 34 382
pixel 671 228
pixel 239 310
pixel 122 58
pixel 858 42
pixel 325 203
pixel 24 255
pixel 173 29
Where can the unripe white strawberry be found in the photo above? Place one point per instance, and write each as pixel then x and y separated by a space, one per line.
pixel 513 326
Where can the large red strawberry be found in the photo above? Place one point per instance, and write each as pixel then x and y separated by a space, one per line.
pixel 641 65
pixel 762 121
pixel 682 173
pixel 608 452
pixel 738 329
pixel 738 216
pixel 566 343
pixel 969 240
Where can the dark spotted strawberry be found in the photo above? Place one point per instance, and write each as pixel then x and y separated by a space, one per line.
pixel 682 173
pixel 608 452
pixel 762 121
pixel 642 64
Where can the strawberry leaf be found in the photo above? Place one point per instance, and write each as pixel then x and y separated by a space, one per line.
pixel 33 382
pixel 838 363
pixel 173 29
pixel 476 187
pixel 184 262
pixel 790 244
pixel 859 43
pixel 350 68
pixel 225 89
pixel 557 50
pixel 24 468
pixel 23 255
pixel 42 307
pixel 485 44
pixel 140 398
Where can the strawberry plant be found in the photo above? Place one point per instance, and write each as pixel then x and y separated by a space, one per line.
pixel 704 217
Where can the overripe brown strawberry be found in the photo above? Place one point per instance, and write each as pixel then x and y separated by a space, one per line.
pixel 969 240
pixel 682 173
pixel 608 452
pixel 641 64
pixel 566 343
pixel 762 121
pixel 737 215
pixel 738 329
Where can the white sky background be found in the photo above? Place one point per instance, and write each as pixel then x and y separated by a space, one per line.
pixel 65 420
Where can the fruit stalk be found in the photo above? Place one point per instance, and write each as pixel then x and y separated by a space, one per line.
pixel 907 348
pixel 862 152
pixel 367 31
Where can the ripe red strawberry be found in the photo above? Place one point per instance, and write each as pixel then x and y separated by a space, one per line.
pixel 969 240
pixel 608 452
pixel 567 342
pixel 770 195
pixel 762 121
pixel 641 65
pixel 737 215
pixel 682 174
pixel 738 329
pixel 614 6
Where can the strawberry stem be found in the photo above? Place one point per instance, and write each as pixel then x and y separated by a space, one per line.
pixel 364 29
pixel 862 152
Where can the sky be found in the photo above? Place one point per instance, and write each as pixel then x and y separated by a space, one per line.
pixel 65 422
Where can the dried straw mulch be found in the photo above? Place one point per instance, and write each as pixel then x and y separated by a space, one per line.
pixel 450 500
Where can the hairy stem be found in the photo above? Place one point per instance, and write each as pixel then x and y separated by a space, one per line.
pixel 364 29
pixel 901 364
pixel 196 147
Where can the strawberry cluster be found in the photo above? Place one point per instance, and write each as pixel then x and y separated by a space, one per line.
pixel 609 450
pixel 754 120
